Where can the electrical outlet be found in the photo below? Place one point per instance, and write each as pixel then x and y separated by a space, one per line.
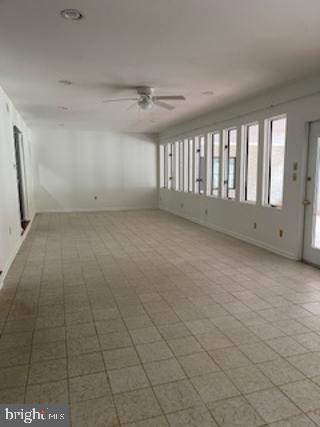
pixel 280 232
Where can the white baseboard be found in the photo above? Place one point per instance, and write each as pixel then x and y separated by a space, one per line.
pixel 14 252
pixel 106 209
pixel 238 236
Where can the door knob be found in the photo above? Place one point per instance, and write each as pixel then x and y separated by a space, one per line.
pixel 306 202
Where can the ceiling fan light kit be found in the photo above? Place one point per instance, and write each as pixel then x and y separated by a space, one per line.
pixel 146 99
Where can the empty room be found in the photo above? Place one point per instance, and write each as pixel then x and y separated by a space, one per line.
pixel 160 213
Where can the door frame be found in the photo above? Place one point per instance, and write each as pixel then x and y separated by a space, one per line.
pixel 304 171
pixel 21 172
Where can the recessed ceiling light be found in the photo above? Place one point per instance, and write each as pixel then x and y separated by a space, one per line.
pixel 208 93
pixel 71 14
pixel 65 82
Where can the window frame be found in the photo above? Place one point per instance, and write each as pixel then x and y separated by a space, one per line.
pixel 212 157
pixel 267 160
pixel 190 164
pixel 245 163
pixel 226 163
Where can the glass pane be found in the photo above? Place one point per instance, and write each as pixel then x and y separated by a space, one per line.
pixel 232 155
pixel 316 204
pixel 176 166
pixel 162 167
pixel 215 164
pixel 277 155
pixel 181 166
pixel 252 163
pixel 202 165
pixel 185 165
pixel 170 166
pixel 190 164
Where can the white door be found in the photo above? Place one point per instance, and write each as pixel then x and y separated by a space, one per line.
pixel 311 250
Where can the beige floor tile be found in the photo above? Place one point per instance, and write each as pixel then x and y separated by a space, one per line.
pixel 184 346
pixel 308 364
pixel 53 392
pixel 121 358
pixel 52 370
pixel 164 371
pixel 248 379
pixel 137 405
pixel 151 352
pixel 48 351
pixel 280 372
pixel 177 396
pixel 151 422
pixel 235 412
pixel 286 346
pixel 176 330
pixel 145 335
pixel 259 352
pixel 138 322
pixel 96 412
pixel 197 416
pixel 305 394
pixel 127 379
pixel 84 364
pixel 12 395
pixel 213 341
pixel 89 387
pixel 115 340
pixel 83 345
pixel 298 421
pixel 198 364
pixel 15 356
pixel 214 386
pixel 272 405
pixel 230 357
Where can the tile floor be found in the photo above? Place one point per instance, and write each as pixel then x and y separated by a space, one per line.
pixel 143 319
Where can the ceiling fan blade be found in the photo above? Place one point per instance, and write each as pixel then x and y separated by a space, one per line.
pixel 163 105
pixel 170 97
pixel 131 106
pixel 106 101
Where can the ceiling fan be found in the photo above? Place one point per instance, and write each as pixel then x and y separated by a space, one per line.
pixel 146 99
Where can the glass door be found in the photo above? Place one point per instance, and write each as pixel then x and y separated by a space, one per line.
pixel 311 250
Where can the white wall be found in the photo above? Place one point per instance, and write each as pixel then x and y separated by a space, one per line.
pixel 72 167
pixel 10 227
pixel 301 103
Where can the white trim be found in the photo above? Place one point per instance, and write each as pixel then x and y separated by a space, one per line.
pixel 238 236
pixel 78 210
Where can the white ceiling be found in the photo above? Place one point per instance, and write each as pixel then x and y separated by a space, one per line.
pixel 234 48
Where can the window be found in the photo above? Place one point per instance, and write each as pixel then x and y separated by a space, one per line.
pixel 250 151
pixel 170 166
pixel 162 167
pixel 181 163
pixel 275 156
pixel 185 164
pixel 215 164
pixel 230 166
pixel 190 165
pixel 199 165
pixel 176 159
